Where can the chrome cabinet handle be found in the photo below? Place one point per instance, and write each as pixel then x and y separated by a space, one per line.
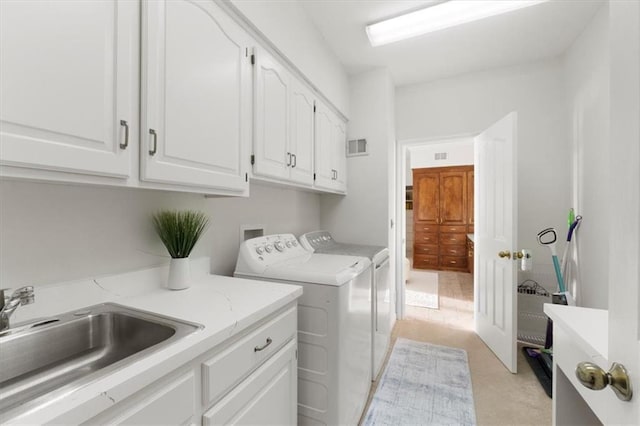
pixel 295 160
pixel 125 144
pixel 155 142
pixel 288 159
pixel 263 347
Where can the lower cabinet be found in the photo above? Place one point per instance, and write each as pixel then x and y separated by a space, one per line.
pixel 250 379
pixel 264 397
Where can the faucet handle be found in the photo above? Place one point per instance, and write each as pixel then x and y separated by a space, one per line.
pixel 26 295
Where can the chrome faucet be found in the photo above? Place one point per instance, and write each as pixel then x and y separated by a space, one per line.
pixel 8 304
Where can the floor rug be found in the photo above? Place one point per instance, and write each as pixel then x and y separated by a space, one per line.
pixel 423 384
pixel 422 289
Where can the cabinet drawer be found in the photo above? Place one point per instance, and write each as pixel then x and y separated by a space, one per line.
pixel 425 262
pixel 453 228
pixel 453 239
pixel 418 227
pixel 267 397
pixel 230 366
pixel 471 229
pixel 453 250
pixel 453 262
pixel 426 238
pixel 425 249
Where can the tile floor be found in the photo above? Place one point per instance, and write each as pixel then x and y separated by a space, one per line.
pixel 501 398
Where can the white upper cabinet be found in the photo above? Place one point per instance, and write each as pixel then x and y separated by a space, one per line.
pixel 302 133
pixel 68 86
pixel 271 115
pixel 196 96
pixel 283 111
pixel 330 154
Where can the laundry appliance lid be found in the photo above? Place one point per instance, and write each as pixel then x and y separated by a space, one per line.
pixel 318 269
pixel 323 242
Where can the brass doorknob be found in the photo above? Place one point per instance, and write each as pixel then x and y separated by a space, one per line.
pixel 593 377
pixel 504 254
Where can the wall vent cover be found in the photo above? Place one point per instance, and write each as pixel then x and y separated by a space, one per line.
pixel 357 147
pixel 440 156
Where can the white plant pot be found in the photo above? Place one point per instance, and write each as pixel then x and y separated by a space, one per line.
pixel 179 274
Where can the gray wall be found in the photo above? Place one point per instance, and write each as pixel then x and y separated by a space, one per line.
pixel 52 232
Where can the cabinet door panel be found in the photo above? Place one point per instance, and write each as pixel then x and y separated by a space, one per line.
pixel 268 396
pixel 340 156
pixel 68 73
pixel 470 197
pixel 302 134
pixel 323 147
pixel 453 197
pixel 426 199
pixel 272 99
pixel 196 96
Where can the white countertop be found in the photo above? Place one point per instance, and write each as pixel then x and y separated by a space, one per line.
pixel 471 236
pixel 223 305
pixel 589 328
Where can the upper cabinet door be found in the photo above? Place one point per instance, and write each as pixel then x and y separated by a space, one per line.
pixel 426 198
pixel 324 147
pixel 68 98
pixel 272 104
pixel 196 96
pixel 453 198
pixel 302 133
pixel 340 156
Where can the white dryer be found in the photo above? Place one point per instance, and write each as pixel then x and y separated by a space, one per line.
pixel 334 324
pixel 382 303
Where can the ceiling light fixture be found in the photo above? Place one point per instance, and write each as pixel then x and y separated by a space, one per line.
pixel 440 16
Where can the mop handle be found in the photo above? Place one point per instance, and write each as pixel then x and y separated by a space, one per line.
pixel 556 266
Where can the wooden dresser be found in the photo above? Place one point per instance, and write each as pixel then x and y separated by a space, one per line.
pixel 442 217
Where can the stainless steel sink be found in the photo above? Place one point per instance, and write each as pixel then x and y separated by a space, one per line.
pixel 73 349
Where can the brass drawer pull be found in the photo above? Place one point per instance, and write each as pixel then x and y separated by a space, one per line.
pixel 263 347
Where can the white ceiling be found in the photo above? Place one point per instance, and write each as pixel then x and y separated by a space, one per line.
pixel 522 36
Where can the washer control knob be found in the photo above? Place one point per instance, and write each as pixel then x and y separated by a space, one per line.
pixel 259 250
pixel 295 243
pixel 268 248
pixel 289 244
pixel 279 246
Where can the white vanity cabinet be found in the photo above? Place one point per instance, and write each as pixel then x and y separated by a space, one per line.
pixel 330 150
pixel 249 379
pixel 69 87
pixel 283 115
pixel 196 96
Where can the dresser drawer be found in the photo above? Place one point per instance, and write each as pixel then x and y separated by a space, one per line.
pixel 425 262
pixel 229 367
pixel 453 262
pixel 454 228
pixel 447 250
pixel 425 228
pixel 453 239
pixel 425 249
pixel 426 238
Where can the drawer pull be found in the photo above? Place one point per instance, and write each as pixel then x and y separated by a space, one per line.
pixel 263 347
pixel 453 262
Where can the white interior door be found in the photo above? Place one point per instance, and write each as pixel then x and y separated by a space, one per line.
pixel 495 231
pixel 624 242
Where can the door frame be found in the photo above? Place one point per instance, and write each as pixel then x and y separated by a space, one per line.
pixel 402 148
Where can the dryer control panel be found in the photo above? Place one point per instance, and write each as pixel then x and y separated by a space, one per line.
pixel 258 253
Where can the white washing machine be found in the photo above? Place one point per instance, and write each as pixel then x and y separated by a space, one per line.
pixel 382 305
pixel 334 324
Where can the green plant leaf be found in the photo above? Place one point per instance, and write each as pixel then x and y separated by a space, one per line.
pixel 179 231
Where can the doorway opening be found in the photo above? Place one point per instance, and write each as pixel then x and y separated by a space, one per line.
pixel 435 251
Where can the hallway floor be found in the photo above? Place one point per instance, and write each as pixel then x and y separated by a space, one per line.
pixel 501 398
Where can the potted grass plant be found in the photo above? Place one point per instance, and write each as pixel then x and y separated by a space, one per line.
pixel 179 231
